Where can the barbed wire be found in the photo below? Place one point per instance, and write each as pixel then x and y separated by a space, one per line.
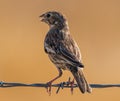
pixel 63 84
pixel 60 85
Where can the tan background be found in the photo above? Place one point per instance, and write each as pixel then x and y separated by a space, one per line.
pixel 95 25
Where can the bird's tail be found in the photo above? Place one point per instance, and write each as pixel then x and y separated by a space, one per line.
pixel 81 81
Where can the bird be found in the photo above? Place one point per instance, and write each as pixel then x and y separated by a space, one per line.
pixel 62 49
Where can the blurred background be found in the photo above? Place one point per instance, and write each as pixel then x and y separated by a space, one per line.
pixel 94 24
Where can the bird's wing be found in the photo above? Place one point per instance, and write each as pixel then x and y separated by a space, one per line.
pixel 70 51
pixel 69 56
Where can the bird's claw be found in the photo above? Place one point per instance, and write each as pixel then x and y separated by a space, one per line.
pixel 48 87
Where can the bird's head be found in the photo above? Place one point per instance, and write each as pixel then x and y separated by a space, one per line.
pixel 54 19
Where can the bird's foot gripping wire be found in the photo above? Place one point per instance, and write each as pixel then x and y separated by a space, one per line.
pixel 48 87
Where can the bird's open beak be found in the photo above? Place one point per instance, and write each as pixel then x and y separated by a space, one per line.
pixel 42 18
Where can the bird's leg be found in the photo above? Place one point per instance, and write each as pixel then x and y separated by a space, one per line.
pixel 49 84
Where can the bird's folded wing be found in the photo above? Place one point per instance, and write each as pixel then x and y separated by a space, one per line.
pixel 69 56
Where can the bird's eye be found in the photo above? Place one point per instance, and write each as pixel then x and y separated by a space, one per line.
pixel 48 15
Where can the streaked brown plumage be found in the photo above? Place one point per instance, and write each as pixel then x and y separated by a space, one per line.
pixel 62 49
